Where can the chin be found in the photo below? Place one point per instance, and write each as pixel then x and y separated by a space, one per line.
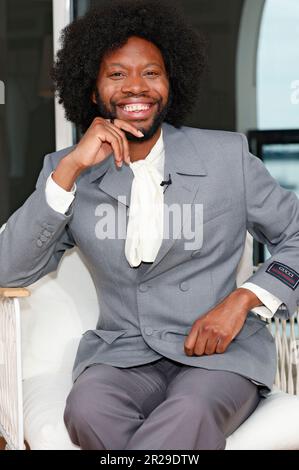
pixel 133 138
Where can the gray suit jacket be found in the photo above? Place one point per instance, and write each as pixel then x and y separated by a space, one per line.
pixel 147 312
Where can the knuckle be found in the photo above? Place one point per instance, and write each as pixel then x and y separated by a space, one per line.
pixel 206 328
pixel 98 121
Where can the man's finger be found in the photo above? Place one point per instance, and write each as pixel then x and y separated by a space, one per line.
pixel 107 136
pixel 190 342
pixel 211 345
pixel 120 141
pixel 222 345
pixel 127 127
pixel 201 342
pixel 125 144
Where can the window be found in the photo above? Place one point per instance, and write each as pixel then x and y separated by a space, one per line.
pixel 27 124
pixel 278 66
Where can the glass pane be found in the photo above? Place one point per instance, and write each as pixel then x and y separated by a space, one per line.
pixel 282 161
pixel 278 66
pixel 27 126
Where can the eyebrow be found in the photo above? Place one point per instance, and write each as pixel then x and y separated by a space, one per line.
pixel 122 65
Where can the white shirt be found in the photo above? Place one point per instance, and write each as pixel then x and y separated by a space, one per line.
pixel 145 223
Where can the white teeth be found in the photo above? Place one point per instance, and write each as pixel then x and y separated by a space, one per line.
pixel 136 107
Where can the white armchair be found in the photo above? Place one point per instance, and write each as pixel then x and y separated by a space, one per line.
pixel 39 334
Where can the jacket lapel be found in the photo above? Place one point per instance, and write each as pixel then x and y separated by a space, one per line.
pixel 184 164
pixel 116 181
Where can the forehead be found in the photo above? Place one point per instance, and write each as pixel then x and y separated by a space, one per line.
pixel 135 51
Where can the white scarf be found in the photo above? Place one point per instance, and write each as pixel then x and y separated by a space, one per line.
pixel 145 224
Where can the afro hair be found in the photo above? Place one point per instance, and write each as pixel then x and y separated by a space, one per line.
pixel 101 30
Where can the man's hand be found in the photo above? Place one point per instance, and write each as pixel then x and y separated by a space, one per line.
pixel 213 332
pixel 100 139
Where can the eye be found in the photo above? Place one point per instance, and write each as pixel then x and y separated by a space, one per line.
pixel 151 73
pixel 116 74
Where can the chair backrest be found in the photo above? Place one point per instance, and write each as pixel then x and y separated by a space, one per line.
pixel 61 307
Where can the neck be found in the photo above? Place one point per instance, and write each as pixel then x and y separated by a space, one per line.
pixel 139 151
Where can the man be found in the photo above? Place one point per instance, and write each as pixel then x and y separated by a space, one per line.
pixel 178 358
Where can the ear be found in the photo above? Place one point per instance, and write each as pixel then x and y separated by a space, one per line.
pixel 93 97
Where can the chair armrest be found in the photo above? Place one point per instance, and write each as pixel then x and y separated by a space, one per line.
pixel 286 336
pixel 11 392
pixel 14 292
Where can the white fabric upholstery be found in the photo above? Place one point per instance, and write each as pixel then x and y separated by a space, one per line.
pixel 44 402
pixel 62 306
pixel 274 425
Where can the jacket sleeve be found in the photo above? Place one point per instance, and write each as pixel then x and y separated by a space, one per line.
pixel 273 219
pixel 34 238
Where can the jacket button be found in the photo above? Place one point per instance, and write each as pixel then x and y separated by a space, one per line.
pixel 184 286
pixel 195 253
pixel 143 288
pixel 148 331
pixel 39 243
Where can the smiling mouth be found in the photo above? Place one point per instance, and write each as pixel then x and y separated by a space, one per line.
pixel 138 110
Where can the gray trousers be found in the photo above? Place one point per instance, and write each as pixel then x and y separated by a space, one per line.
pixel 160 405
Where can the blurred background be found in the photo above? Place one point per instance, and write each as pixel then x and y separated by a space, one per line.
pixel 251 84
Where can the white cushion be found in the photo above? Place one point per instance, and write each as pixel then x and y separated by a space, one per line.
pixel 44 403
pixel 274 425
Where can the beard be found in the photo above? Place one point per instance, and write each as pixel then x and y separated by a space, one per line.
pixel 159 117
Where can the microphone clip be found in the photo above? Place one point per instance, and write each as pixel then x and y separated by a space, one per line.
pixel 166 183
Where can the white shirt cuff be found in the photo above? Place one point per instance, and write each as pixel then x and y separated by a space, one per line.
pixel 271 303
pixel 57 197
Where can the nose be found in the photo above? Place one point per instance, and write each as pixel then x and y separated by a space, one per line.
pixel 135 84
